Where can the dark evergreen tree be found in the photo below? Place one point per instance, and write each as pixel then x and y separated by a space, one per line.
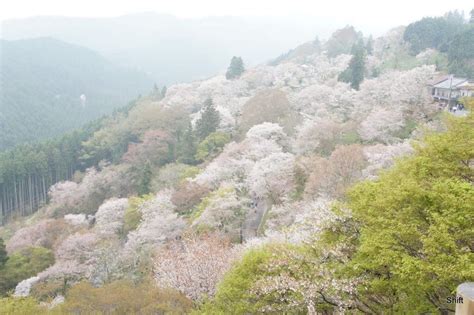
pixel 354 74
pixel 163 91
pixel 187 146
pixel 145 180
pixel 369 46
pixel 461 54
pixel 471 20
pixel 236 68
pixel 209 120
pixel 434 32
pixel 3 253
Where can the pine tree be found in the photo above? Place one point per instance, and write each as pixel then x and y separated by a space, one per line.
pixel 164 89
pixel 236 68
pixel 187 146
pixel 354 74
pixel 209 120
pixel 3 254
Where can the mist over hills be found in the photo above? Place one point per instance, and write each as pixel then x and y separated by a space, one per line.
pixel 172 49
pixel 49 87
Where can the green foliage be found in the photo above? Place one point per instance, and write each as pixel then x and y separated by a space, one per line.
pixel 187 146
pixel 461 54
pixel 209 120
pixel 48 290
pixel 133 216
pixel 42 81
pixel 354 74
pixel 206 201
pixel 415 226
pixel 36 168
pixel 22 265
pixel 301 177
pixel 189 172
pixel 406 131
pixel 349 137
pixel 124 297
pixel 233 294
pixel 144 180
pixel 433 32
pixel 212 145
pixel 26 306
pixel 236 68
pixel 3 254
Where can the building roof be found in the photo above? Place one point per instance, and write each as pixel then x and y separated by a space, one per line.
pixel 468 85
pixel 439 79
pixel 446 84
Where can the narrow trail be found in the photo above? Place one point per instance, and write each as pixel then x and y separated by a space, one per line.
pixel 253 220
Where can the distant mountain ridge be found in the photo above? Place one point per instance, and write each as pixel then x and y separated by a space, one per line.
pixel 172 49
pixel 49 87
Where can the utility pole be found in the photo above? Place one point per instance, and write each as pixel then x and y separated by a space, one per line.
pixel 450 91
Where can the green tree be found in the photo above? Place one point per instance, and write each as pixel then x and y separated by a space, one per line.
pixel 124 297
pixel 145 179
pixel 187 146
pixel 354 74
pixel 233 294
pixel 12 305
pixel 236 68
pixel 414 226
pixel 433 32
pixel 212 145
pixel 22 265
pixel 209 120
pixel 3 254
pixel 461 54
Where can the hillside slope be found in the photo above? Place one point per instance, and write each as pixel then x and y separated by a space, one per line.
pixel 234 196
pixel 49 87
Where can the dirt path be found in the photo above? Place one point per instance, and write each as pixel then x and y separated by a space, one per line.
pixel 253 220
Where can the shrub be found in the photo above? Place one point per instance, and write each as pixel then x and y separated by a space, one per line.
pixel 25 306
pixel 22 265
pixel 212 145
pixel 133 216
pixel 124 297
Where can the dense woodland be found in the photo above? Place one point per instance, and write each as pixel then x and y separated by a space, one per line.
pixel 327 181
pixel 50 87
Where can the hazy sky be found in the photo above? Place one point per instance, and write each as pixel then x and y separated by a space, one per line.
pixel 368 13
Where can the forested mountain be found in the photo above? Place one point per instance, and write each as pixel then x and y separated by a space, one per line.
pixel 450 34
pixel 327 181
pixel 49 87
pixel 172 49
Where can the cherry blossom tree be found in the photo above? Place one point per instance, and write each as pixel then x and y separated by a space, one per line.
pixel 381 124
pixel 272 176
pixel 332 176
pixel 45 233
pixel 109 216
pixel 194 265
pixel 159 223
pixel 222 210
